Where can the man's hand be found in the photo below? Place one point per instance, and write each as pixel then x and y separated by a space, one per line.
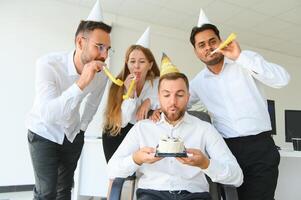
pixel 88 73
pixel 232 51
pixel 197 159
pixel 156 116
pixel 145 155
pixel 143 109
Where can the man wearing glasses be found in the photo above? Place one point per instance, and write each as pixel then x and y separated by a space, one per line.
pixel 55 126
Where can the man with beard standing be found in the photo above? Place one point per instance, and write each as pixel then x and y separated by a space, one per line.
pixel 170 177
pixel 231 87
pixel 55 126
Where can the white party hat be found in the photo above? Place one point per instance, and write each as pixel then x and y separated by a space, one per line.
pixel 145 38
pixel 96 13
pixel 203 19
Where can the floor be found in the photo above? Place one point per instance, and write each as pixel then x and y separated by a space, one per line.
pixel 28 196
pixel 16 196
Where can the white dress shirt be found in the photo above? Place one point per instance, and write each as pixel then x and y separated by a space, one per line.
pixel 168 173
pixel 130 106
pixel 235 96
pixel 55 112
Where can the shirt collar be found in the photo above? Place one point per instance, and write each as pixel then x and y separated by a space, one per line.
pixel 185 119
pixel 70 63
pixel 227 61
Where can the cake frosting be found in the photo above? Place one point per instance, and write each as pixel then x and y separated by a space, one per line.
pixel 171 145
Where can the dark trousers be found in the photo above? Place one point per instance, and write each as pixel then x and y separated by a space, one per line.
pixel 54 166
pixel 143 194
pixel 111 143
pixel 258 158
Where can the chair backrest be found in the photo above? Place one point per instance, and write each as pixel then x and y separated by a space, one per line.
pixel 214 189
pixel 201 115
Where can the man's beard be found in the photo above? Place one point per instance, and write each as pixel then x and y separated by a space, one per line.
pixel 174 116
pixel 214 61
pixel 85 58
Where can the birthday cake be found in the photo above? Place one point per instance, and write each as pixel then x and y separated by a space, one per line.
pixel 171 145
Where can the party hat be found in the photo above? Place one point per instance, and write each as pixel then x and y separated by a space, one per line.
pixel 96 13
pixel 203 19
pixel 145 38
pixel 167 66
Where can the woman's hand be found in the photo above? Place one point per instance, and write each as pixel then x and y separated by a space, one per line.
pixel 156 116
pixel 143 109
pixel 127 83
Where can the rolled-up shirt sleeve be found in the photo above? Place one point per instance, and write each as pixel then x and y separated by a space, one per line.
pixel 268 73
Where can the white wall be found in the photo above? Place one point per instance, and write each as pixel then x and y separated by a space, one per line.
pixel 28 30
pixel 32 28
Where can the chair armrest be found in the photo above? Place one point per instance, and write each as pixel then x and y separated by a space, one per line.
pixel 116 188
pixel 218 190
pixel 117 185
pixel 230 192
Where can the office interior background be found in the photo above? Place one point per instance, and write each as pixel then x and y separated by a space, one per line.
pixel 32 28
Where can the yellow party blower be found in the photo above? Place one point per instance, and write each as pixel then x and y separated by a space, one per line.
pixel 230 38
pixel 114 80
pixel 129 92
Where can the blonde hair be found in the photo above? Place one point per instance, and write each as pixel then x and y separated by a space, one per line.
pixel 113 121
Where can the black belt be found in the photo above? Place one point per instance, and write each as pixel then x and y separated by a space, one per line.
pixel 177 191
pixel 265 134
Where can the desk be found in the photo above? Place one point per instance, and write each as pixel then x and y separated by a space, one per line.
pixel 91 174
pixel 289 180
pixel 287 153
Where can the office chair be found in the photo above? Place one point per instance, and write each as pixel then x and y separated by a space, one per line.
pixel 217 191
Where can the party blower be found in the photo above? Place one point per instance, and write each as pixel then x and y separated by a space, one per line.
pixel 130 90
pixel 114 80
pixel 230 38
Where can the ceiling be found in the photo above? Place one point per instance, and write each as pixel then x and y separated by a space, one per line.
pixel 274 25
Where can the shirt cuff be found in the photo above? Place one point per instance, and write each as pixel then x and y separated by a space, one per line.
pixel 73 92
pixel 247 62
pixel 214 170
pixel 129 161
pixel 76 90
pixel 129 164
pixel 129 105
pixel 84 126
pixel 130 100
pixel 123 169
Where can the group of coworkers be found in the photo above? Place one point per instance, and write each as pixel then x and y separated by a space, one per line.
pixel 235 149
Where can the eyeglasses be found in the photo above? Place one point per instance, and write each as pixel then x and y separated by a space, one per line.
pixel 102 47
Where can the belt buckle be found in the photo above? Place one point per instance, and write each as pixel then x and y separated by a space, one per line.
pixel 175 192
